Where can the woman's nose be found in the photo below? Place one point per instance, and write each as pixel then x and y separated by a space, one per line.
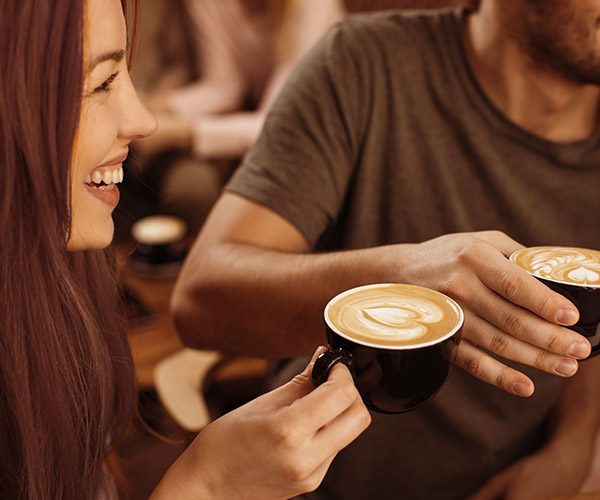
pixel 137 121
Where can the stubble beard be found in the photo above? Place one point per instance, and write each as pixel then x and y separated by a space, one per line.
pixel 560 39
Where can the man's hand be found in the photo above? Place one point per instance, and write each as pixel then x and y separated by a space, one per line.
pixel 507 311
pixel 548 473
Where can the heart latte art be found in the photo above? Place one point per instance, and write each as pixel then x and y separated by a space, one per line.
pixel 575 266
pixel 393 315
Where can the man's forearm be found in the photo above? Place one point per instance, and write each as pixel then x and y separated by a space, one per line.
pixel 250 287
pixel 256 301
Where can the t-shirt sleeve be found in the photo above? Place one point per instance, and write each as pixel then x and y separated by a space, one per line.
pixel 302 163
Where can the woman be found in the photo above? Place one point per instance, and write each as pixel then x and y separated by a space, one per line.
pixel 68 112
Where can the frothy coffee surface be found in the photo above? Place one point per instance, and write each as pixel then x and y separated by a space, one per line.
pixel 578 266
pixel 393 314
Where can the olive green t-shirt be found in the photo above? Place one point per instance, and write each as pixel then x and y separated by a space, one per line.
pixel 382 136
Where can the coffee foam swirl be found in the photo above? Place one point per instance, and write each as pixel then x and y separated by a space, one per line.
pixel 577 266
pixel 393 314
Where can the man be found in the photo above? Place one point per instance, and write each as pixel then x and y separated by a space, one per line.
pixel 425 148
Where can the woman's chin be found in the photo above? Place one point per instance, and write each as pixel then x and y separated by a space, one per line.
pixel 92 239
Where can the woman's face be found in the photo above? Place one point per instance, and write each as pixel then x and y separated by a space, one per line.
pixel 111 117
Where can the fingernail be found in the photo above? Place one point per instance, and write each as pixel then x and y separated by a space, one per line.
pixel 321 349
pixel 566 367
pixel 579 350
pixel 567 317
pixel 522 389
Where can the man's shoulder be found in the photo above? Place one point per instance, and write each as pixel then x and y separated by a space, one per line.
pixel 399 41
pixel 411 35
pixel 398 22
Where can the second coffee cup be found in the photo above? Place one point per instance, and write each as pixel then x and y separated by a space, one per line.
pixel 399 341
pixel 574 273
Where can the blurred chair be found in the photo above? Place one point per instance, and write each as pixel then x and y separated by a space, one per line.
pixel 196 387
pixel 179 381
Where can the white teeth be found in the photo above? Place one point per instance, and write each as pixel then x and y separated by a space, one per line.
pixel 107 177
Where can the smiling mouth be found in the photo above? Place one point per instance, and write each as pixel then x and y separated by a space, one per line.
pixel 104 179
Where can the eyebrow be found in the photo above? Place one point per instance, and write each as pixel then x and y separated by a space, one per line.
pixel 115 55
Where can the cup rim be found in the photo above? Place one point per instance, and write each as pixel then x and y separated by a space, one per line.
pixel 451 333
pixel 554 280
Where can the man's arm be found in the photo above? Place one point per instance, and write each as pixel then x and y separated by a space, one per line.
pixel 249 285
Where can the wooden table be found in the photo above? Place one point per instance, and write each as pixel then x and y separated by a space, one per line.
pixel 154 341
pixel 152 338
pixel 579 496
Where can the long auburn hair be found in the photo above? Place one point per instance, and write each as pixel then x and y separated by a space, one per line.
pixel 66 375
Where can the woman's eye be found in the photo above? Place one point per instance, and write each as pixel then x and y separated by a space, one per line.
pixel 106 85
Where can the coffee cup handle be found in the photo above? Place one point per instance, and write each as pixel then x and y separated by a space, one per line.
pixel 326 361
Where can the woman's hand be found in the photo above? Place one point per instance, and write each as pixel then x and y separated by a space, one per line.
pixel 275 447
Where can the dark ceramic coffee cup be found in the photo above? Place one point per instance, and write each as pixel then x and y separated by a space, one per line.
pixel 160 241
pixel 574 273
pixel 399 342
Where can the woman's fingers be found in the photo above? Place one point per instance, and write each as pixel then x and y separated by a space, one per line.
pixel 297 388
pixel 302 410
pixel 339 430
pixel 310 431
pixel 344 429
pixel 325 403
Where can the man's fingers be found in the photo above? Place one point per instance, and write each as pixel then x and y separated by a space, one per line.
pixel 501 241
pixel 482 366
pixel 519 287
pixel 525 325
pixel 517 303
pixel 484 334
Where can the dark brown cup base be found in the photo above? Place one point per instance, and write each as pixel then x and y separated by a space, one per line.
pixel 390 381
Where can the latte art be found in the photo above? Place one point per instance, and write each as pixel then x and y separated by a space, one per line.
pixel 393 315
pixel 577 266
pixel 408 318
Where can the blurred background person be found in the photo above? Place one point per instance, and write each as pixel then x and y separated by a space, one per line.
pixel 210 71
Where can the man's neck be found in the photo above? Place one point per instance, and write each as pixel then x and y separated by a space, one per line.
pixel 535 98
